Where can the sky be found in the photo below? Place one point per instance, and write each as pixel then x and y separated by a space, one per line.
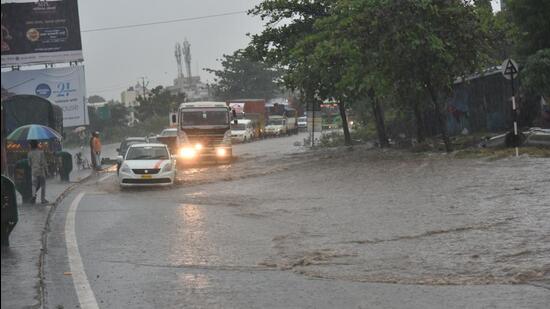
pixel 117 59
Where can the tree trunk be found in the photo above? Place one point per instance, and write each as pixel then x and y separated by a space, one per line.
pixel 419 123
pixel 440 119
pixel 379 120
pixel 347 136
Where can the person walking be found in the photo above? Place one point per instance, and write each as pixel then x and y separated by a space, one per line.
pixel 92 155
pixel 37 162
pixel 96 150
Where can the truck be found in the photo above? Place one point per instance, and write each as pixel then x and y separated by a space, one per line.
pixel 276 126
pixel 204 132
pixel 291 116
pixel 282 120
pixel 20 110
pixel 253 109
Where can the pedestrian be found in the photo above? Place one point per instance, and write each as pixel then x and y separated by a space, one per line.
pixel 37 161
pixel 96 149
pixel 92 155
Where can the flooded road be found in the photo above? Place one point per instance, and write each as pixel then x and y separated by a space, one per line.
pixel 282 227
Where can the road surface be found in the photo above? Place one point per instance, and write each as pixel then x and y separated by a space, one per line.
pixel 282 227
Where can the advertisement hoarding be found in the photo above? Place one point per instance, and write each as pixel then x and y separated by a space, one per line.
pixel 40 32
pixel 64 87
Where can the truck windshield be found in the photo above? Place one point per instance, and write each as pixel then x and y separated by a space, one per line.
pixel 201 118
pixel 276 122
pixel 147 153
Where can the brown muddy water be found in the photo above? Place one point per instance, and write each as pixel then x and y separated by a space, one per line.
pixel 371 216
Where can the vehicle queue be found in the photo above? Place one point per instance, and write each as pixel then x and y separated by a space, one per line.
pixel 200 132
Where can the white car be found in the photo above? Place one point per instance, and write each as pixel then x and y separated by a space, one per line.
pixel 302 122
pixel 147 164
pixel 242 131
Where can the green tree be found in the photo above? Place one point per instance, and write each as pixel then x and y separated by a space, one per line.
pixel 95 99
pixel 119 114
pixel 423 44
pixel 297 38
pixel 535 76
pixel 158 103
pixel 242 76
pixel 532 18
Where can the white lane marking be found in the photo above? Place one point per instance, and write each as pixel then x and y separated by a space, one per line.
pixel 84 292
pixel 105 177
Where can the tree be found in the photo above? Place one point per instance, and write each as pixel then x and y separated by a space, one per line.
pixel 312 63
pixel 535 76
pixel 532 18
pixel 119 114
pixel 95 99
pixel 159 102
pixel 244 77
pixel 422 44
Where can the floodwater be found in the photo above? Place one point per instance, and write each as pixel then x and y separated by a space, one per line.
pixel 387 217
pixel 287 227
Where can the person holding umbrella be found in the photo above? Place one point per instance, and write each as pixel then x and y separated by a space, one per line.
pixel 33 133
pixel 37 162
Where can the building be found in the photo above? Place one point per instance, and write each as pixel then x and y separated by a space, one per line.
pixel 129 97
pixel 194 89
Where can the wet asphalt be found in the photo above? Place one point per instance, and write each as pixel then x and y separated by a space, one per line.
pixel 282 227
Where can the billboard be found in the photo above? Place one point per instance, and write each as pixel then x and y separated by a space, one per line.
pixel 64 87
pixel 40 32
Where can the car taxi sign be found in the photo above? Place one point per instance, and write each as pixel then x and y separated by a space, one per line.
pixel 509 69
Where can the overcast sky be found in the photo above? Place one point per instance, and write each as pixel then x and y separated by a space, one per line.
pixel 116 59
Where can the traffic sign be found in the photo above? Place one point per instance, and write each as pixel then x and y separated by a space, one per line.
pixel 509 69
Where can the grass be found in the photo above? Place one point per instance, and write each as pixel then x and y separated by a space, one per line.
pixel 464 146
pixel 500 153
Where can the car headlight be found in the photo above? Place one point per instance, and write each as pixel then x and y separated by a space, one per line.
pixel 187 153
pixel 167 167
pixel 125 168
pixel 221 152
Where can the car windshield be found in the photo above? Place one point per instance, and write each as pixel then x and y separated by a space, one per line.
pixel 147 153
pixel 275 122
pixel 238 127
pixel 169 133
pixel 201 118
pixel 128 143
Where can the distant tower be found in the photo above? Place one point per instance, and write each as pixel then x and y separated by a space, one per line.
pixel 178 55
pixel 187 57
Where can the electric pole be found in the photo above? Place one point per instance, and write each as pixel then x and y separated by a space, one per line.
pixel 143 85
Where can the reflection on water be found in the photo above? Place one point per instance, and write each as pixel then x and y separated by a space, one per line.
pixel 194 281
pixel 110 169
pixel 193 246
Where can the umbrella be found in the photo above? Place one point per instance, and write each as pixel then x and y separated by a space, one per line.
pixel 79 129
pixel 33 132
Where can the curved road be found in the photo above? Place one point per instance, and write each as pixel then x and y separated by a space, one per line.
pixel 284 228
